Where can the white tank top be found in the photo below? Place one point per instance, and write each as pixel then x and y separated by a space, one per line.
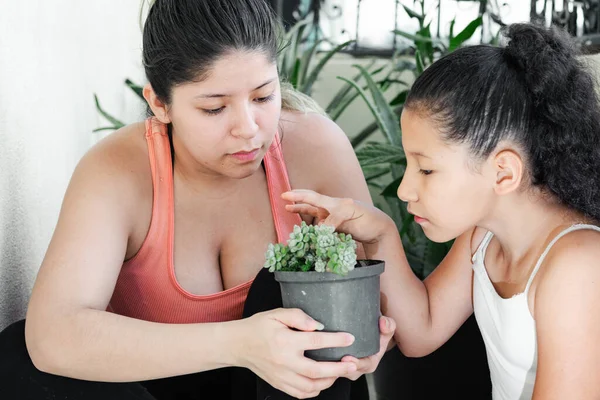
pixel 507 327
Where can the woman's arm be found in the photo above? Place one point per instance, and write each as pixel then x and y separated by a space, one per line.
pixel 70 333
pixel 567 300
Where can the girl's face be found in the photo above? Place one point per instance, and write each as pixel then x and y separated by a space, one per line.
pixel 446 190
pixel 224 124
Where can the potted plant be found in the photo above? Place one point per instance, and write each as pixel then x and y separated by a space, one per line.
pixel 318 272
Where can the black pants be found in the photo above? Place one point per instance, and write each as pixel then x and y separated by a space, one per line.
pixel 20 380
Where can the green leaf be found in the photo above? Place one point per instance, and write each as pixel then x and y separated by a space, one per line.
pixel 293 79
pixel 307 60
pixel 375 171
pixel 118 124
pixel 418 38
pixel 312 78
pixel 426 46
pixel 137 89
pixel 465 34
pixel 419 62
pixel 342 105
pixel 452 23
pixel 364 134
pixel 433 255
pixel 341 100
pixel 400 98
pixel 106 128
pixel 289 53
pixel 386 117
pixel 392 189
pixel 380 153
pixel 413 14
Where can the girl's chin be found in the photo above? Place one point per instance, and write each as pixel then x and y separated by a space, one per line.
pixel 435 235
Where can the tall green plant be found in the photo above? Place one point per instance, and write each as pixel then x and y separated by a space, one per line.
pixel 384 163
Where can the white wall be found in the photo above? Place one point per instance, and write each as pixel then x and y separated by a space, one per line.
pixel 53 56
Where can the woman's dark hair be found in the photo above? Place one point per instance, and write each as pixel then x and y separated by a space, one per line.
pixel 183 38
pixel 535 92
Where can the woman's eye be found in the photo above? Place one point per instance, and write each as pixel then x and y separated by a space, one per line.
pixel 425 171
pixel 214 111
pixel 264 99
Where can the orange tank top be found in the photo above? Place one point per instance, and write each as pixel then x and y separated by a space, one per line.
pixel 147 287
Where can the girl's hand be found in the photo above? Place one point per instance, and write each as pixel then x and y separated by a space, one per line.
pixel 273 351
pixel 364 222
pixel 387 327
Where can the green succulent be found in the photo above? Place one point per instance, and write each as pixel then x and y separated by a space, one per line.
pixel 313 248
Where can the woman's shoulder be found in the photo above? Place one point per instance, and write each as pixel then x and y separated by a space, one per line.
pixel 309 142
pixel 118 163
pixel 123 151
pixel 310 130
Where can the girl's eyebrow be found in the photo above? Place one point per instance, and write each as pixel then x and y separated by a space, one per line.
pixel 418 154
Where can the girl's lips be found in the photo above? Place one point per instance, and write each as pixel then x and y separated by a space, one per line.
pixel 246 156
pixel 420 220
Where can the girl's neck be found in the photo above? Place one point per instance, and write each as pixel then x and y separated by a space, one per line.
pixel 526 223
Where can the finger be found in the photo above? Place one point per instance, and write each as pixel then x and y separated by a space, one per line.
pixel 306 388
pixel 305 209
pixel 297 319
pixel 350 359
pixel 325 369
pixel 363 364
pixel 311 197
pixel 323 340
pixel 387 325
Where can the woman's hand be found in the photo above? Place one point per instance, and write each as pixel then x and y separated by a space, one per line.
pixel 366 365
pixel 364 222
pixel 273 351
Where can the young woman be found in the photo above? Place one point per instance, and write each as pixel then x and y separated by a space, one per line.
pixel 164 227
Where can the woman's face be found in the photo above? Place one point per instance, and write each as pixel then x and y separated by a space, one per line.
pixel 224 124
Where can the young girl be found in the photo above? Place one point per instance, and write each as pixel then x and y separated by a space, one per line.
pixel 503 154
pixel 155 259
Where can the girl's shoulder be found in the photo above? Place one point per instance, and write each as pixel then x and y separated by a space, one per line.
pixel 478 234
pixel 574 252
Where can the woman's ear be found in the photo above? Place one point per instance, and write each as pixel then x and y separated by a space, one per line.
pixel 159 109
pixel 509 169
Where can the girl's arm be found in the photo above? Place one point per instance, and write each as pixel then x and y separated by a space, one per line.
pixel 321 159
pixel 566 312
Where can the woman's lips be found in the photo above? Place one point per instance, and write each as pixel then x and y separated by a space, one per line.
pixel 246 156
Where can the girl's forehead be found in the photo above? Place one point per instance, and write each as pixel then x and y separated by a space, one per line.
pixel 421 137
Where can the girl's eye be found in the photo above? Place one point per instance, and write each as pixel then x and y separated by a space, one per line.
pixel 213 111
pixel 265 99
pixel 425 171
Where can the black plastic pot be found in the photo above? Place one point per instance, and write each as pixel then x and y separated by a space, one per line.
pixel 349 303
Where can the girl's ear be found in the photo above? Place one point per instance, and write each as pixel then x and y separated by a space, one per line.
pixel 159 109
pixel 509 169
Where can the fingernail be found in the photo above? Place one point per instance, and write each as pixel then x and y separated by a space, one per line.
pixel 388 323
pixel 320 326
pixel 351 338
